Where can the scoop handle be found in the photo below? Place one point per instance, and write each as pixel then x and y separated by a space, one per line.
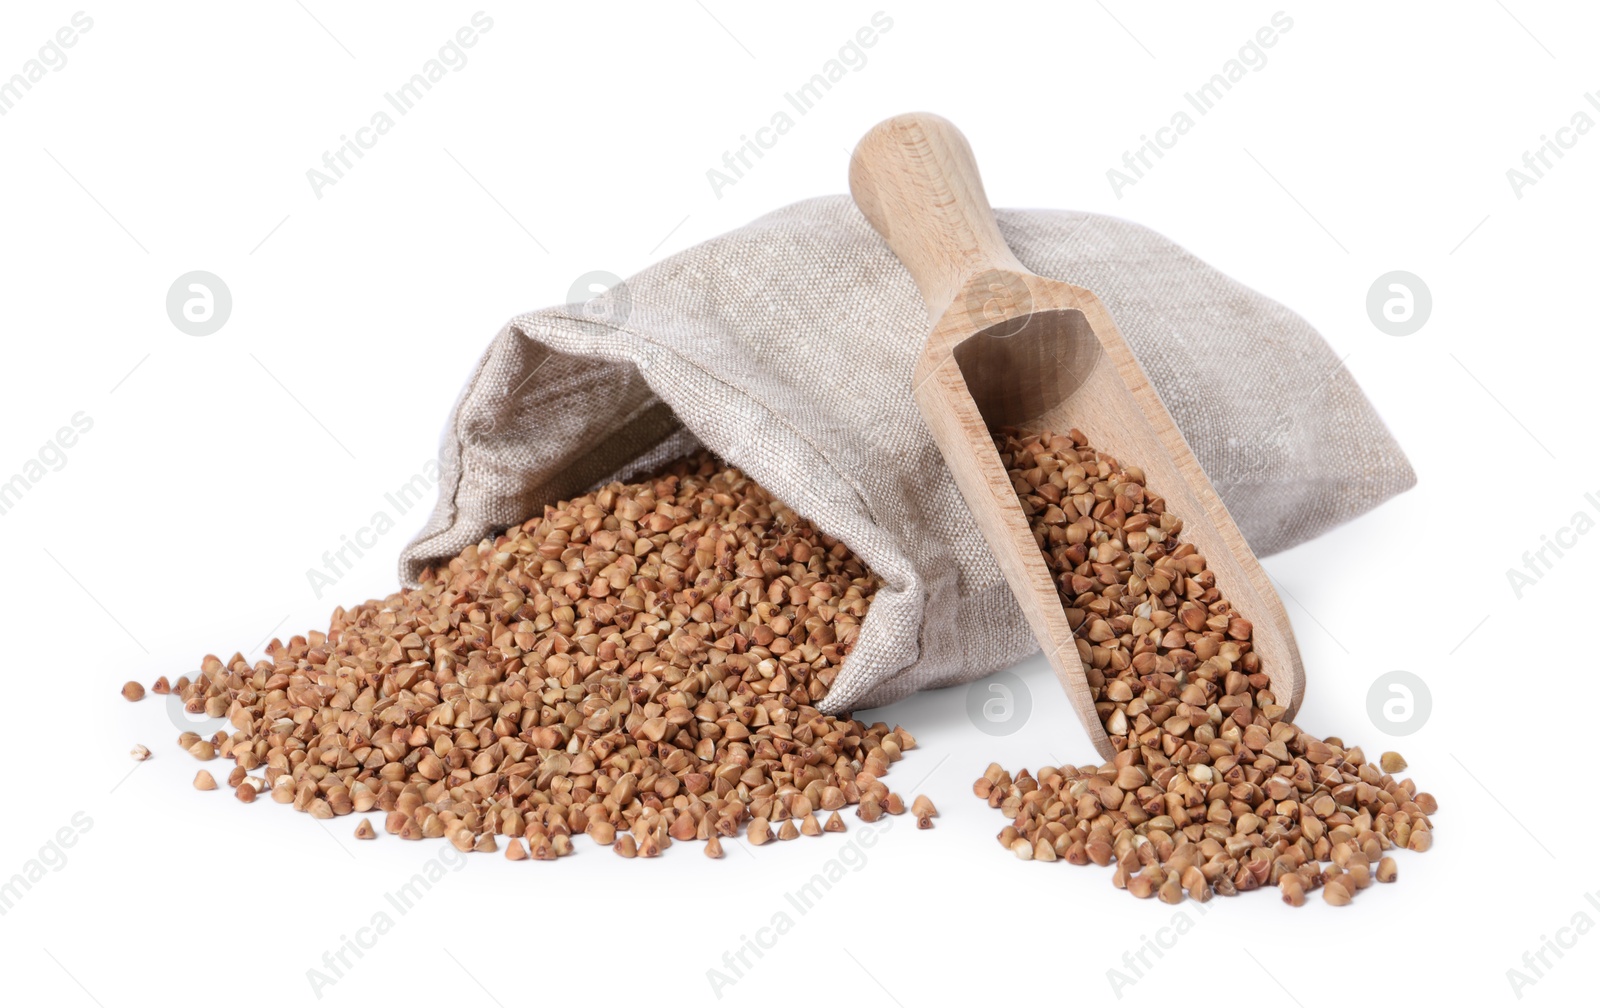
pixel 915 180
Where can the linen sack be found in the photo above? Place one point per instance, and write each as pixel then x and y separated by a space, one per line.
pixel 786 348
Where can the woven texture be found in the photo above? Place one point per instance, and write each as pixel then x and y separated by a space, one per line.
pixel 786 348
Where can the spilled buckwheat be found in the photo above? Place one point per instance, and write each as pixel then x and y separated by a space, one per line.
pixel 640 664
pixel 1211 791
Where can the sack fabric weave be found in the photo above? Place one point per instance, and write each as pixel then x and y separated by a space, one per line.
pixel 786 348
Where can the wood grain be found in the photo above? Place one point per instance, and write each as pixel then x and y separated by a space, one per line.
pixel 1008 347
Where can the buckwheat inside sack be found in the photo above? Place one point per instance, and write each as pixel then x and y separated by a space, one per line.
pixel 641 664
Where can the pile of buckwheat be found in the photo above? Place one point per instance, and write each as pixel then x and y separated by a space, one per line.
pixel 1211 791
pixel 640 664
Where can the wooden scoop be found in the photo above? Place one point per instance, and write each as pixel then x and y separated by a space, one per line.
pixel 1009 348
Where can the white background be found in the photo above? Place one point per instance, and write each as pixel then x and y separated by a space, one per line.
pixel 219 469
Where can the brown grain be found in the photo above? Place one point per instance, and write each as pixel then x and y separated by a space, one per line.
pixel 649 651
pixel 1211 791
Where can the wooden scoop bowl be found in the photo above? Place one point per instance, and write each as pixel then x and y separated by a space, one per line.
pixel 1009 348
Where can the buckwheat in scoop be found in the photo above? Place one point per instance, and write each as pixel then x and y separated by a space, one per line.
pixel 1211 791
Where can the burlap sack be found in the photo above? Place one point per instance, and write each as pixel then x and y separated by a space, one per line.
pixel 786 348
